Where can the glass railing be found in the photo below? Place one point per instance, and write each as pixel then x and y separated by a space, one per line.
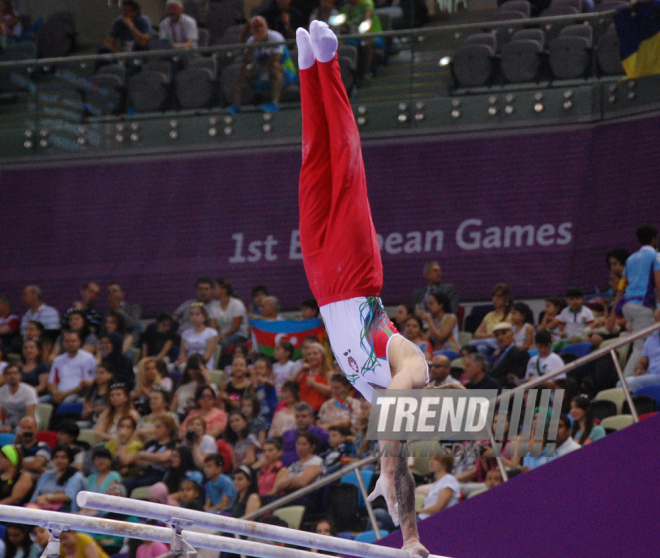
pixel 178 99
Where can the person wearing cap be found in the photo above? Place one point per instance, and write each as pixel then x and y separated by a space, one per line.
pixel 15 485
pixel 17 399
pixel 508 362
pixel 248 500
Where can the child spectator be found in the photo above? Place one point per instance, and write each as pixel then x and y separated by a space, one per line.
pixel 247 499
pixel 553 307
pixel 240 350
pixel 159 339
pixel 341 450
pixel 220 490
pixel 304 346
pixel 257 425
pixel 237 386
pixel 546 361
pixel 493 478
pixel 309 309
pixel 18 543
pixel 273 449
pixel 574 318
pixel 284 419
pixel 522 320
pixel 264 387
pixel 191 495
pixel 283 367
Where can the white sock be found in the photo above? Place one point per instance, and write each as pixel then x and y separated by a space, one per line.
pixel 305 51
pixel 324 41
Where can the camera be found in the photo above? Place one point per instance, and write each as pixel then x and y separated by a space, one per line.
pixel 191 436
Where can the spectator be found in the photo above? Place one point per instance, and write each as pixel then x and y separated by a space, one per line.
pixel 270 308
pixel 647 372
pixel 238 385
pixel 324 526
pixel 17 400
pixel 15 484
pixel 195 374
pixel 484 339
pixel 204 297
pixel 181 467
pixel 18 542
pixel 549 322
pixel 283 365
pixel 10 324
pixel 10 23
pixel 244 443
pixel 199 442
pixel 148 378
pixel 158 340
pixel 444 492
pixel 57 488
pixel 414 332
pixel 158 404
pixel 257 425
pixel 76 320
pixel 115 323
pixel 72 371
pixel 121 365
pixel 305 470
pixel 584 430
pixel 103 475
pixel 283 18
pixel 178 28
pixel 67 436
pixel 546 361
pixel 38 311
pixel 130 312
pixel 220 491
pixel 120 407
pixel 341 451
pixel 284 418
pixel 304 417
pixel 229 315
pixel 151 549
pixel 493 478
pixel 264 388
pixel 247 492
pixel 197 338
pixel 272 459
pixel 476 371
pixel 36 455
pixel 440 372
pixel 96 399
pixel 3 362
pixel 313 377
pixel 402 314
pixel 434 282
pixel 642 290
pixel 191 495
pixel 34 370
pixel 522 321
pixel 341 409
pixel 574 318
pixel 309 309
pixel 564 443
pixel 258 293
pixel 509 363
pixel 125 447
pixel 215 419
pixel 88 297
pixel 442 326
pixel 155 456
pixel 79 545
pixel 257 61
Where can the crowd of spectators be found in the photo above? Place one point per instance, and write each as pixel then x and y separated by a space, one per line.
pixel 186 407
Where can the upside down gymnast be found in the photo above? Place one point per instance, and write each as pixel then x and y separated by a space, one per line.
pixel 342 259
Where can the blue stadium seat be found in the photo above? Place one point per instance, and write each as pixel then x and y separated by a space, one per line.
pixel 351 478
pixel 650 391
pixel 370 536
pixel 578 349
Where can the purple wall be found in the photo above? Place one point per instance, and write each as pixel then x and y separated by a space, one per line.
pixel 155 224
pixel 602 500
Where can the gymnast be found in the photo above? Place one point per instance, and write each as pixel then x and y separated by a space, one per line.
pixel 342 260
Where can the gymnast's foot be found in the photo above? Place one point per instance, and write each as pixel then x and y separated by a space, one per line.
pixel 306 57
pixel 324 41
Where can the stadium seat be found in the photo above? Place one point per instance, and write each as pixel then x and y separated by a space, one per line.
pixel 559 11
pixel 650 391
pixel 507 15
pixel 464 337
pixel 203 37
pixel 7 438
pixel 570 56
pixel 578 31
pixel 517 6
pixel 292 515
pixel 603 408
pixel 342 506
pixel 351 478
pixel 530 34
pixel 216 377
pixel 608 54
pixel 147 91
pixel 87 435
pixel 476 492
pixel 44 412
pixel 472 65
pixel 194 88
pixel 577 4
pixel 621 351
pixel 106 95
pixel 205 62
pixel 521 60
pixel 578 349
pixel 483 39
pixel 643 404
pixel 140 493
pixel 370 536
pixel 419 502
pixel 615 395
pixel 115 70
pixel 618 422
pixel 162 66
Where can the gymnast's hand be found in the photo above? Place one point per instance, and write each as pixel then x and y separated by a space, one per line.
pixel 386 489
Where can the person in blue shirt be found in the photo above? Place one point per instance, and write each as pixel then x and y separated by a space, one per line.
pixel 220 490
pixel 639 290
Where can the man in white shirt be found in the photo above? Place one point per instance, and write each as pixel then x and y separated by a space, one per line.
pixel 72 371
pixel 439 372
pixel 178 28
pixel 546 361
pixel 17 399
pixel 37 310
pixel 564 443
